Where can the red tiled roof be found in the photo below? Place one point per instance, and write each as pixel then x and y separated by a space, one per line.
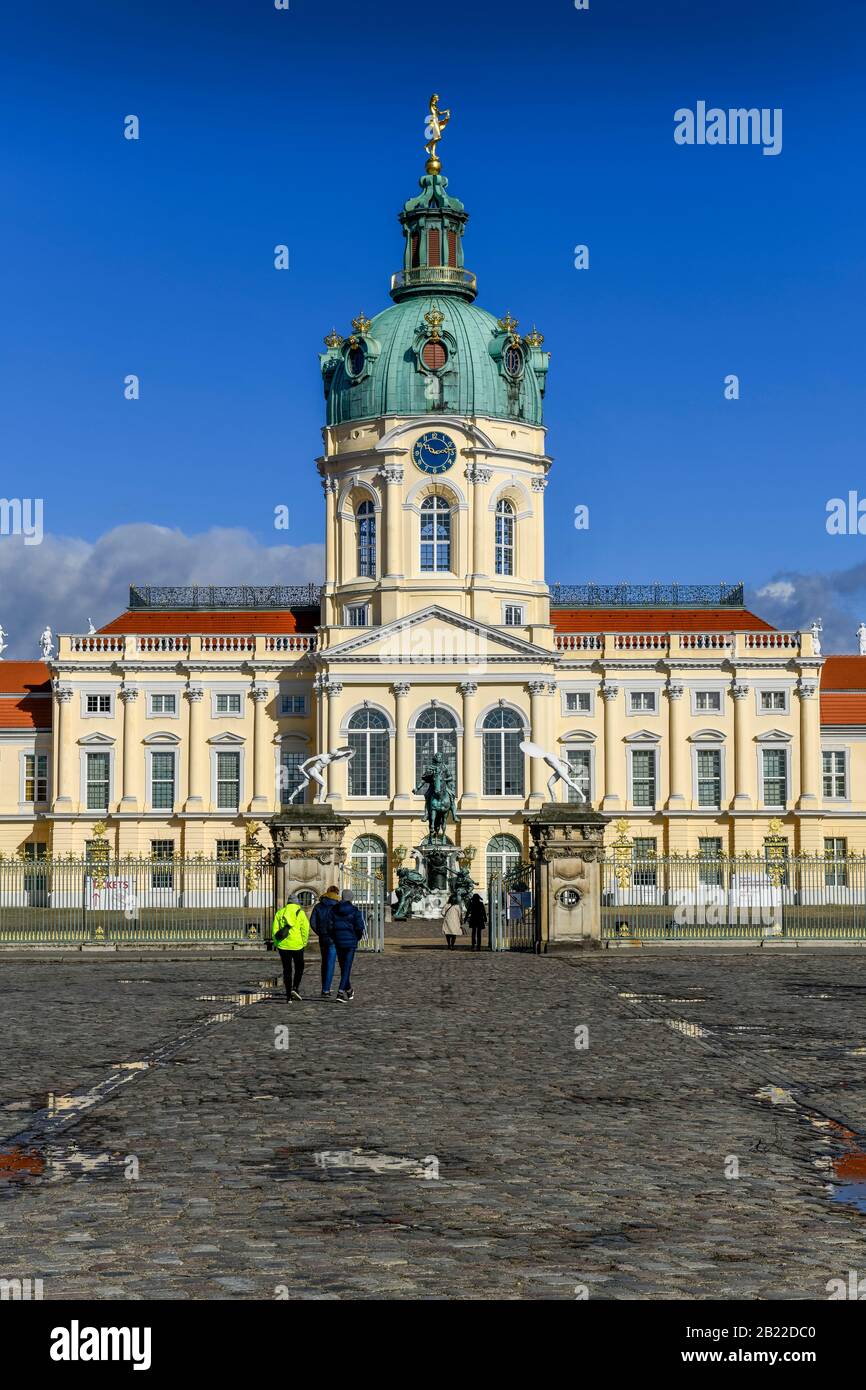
pixel 150 620
pixel 25 695
pixel 657 620
pixel 843 709
pixel 844 673
pixel 843 690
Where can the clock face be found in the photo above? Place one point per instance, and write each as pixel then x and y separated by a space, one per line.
pixel 434 452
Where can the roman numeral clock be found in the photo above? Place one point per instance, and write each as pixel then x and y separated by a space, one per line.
pixel 434 452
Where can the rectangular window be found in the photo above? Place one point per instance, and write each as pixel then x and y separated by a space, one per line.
pixel 228 704
pixel 643 777
pixel 834 774
pixel 162 781
pixel 709 766
pixel 433 246
pixel 98 704
pixel 452 248
pixel 228 781
pixel 36 777
pixel 293 704
pixel 708 701
pixel 773 700
pixel 579 763
pixel 709 861
pixel 835 861
pixel 513 615
pixel 357 615
pixel 578 702
pixel 98 773
pixel 644 874
pixel 163 704
pixel 642 701
pixel 775 776
pixel 289 776
pixel 228 853
pixel 162 874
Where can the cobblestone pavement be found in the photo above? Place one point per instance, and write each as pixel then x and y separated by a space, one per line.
pixel 559 1167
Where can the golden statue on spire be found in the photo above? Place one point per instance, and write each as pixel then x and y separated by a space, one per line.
pixel 436 122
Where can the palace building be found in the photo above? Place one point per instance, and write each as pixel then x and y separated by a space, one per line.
pixel 185 718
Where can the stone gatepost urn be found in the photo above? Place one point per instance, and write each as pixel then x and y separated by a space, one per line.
pixel 566 855
pixel 307 850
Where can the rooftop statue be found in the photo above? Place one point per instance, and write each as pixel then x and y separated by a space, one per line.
pixel 436 122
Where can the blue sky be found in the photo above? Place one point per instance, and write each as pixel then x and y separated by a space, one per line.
pixel 261 126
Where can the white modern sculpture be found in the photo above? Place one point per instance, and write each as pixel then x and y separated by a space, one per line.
pixel 3 643
pixel 861 638
pixel 312 768
pixel 46 644
pixel 817 629
pixel 561 770
pixel 90 628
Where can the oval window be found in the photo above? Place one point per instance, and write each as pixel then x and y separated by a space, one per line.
pixel 433 355
pixel 356 361
pixel 513 360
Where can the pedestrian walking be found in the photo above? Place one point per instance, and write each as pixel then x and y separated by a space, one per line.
pixel 347 926
pixel 452 923
pixel 320 922
pixel 477 919
pixel 291 932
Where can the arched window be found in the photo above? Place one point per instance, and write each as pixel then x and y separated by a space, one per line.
pixel 435 534
pixel 369 856
pixel 503 854
pixel 504 537
pixel 365 518
pixel 368 770
pixel 436 732
pixel 503 760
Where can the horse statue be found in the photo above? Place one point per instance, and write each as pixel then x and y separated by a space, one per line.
pixel 437 788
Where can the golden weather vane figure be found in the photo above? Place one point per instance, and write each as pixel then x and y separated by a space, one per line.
pixel 436 122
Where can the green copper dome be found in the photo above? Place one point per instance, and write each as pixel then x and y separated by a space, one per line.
pixel 434 349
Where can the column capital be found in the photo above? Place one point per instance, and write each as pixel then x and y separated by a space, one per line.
pixel 538 484
pixel 329 485
pixel 401 688
pixel 806 689
pixel 128 693
pixel 675 691
pixel 63 694
pixel 194 693
pixel 542 687
pixel 468 687
pixel 474 473
pixel 609 691
pixel 392 473
pixel 260 693
pixel 333 688
pixel 740 690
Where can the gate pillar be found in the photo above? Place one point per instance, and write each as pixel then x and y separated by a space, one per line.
pixel 566 855
pixel 307 849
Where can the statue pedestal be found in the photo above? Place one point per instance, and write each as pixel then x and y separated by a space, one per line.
pixel 308 849
pixel 566 852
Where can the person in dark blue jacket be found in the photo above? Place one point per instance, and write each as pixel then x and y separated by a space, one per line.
pixel 346 928
pixel 320 924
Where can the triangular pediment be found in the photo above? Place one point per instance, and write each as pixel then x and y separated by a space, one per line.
pixel 97 741
pixel 773 736
pixel 436 636
pixel 642 736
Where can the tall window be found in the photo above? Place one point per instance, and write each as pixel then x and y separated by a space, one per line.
pixel 369 856
pixel 290 761
pixel 503 760
pixel 228 853
pixel 435 534
pixel 435 732
pixel 709 762
pixel 645 871
pixel 835 865
pixel 579 762
pixel 368 770
pixel 834 774
pixel 162 781
pixel 228 781
pixel 366 525
pixel 504 537
pixel 643 777
pixel 503 855
pixel 162 874
pixel 709 861
pixel 36 777
pixel 775 764
pixel 98 773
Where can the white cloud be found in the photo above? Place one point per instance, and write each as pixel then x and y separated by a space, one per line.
pixel 781 589
pixel 64 581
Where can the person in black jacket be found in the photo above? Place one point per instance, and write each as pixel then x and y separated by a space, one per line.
pixel 320 924
pixel 346 927
pixel 477 918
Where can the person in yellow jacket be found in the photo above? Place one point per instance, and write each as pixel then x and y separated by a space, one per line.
pixel 291 931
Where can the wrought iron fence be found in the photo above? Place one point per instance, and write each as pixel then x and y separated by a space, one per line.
pixel 512 910
pixel 368 891
pixel 647 595
pixel 738 897
pixel 135 900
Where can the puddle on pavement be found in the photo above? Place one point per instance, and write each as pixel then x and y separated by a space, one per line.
pixel 245 996
pixel 666 998
pixel 845 1168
